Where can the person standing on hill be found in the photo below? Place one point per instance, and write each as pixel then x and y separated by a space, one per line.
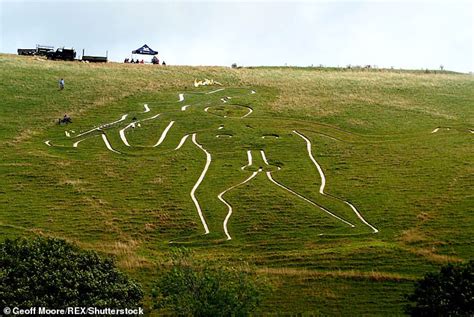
pixel 61 84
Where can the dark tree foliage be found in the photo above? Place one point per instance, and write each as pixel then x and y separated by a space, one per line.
pixel 449 292
pixel 52 273
pixel 192 289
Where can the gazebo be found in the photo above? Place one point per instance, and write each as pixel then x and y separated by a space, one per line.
pixel 144 50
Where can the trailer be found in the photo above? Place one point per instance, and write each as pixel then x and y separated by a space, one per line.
pixel 41 50
pixel 94 59
pixel 26 51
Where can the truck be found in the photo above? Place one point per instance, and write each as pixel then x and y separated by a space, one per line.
pixel 40 50
pixel 65 54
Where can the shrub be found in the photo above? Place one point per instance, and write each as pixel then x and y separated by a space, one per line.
pixel 52 273
pixel 207 290
pixel 449 292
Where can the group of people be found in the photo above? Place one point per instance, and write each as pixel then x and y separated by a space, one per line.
pixel 137 61
pixel 66 119
pixel 154 60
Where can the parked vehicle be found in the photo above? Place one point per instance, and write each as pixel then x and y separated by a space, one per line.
pixel 65 54
pixel 26 51
pixel 40 50
pixel 43 50
pixel 95 59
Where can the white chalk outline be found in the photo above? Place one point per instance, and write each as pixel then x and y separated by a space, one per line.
pixel 103 126
pixel 183 108
pixel 181 97
pixel 249 157
pixel 360 216
pixel 77 143
pixel 229 207
pixel 323 182
pixel 122 133
pixel 48 143
pixel 164 133
pixel 183 139
pixel 132 124
pixel 250 111
pixel 204 171
pixel 150 118
pixel 146 108
pixel 435 130
pixel 214 91
pixel 320 170
pixel 67 134
pixel 206 82
pixel 269 175
pixel 107 144
pixel 264 157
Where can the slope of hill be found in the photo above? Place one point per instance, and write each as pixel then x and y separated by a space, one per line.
pixel 341 187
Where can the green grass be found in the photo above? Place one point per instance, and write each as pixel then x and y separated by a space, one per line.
pixel 371 133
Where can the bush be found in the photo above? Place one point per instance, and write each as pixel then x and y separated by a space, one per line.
pixel 52 273
pixel 207 290
pixel 447 293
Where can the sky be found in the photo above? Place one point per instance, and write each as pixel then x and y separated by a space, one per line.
pixel 406 34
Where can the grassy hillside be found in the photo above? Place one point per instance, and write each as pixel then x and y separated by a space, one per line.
pixel 395 145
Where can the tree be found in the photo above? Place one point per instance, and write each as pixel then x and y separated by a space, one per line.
pixel 208 290
pixel 449 292
pixel 52 273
